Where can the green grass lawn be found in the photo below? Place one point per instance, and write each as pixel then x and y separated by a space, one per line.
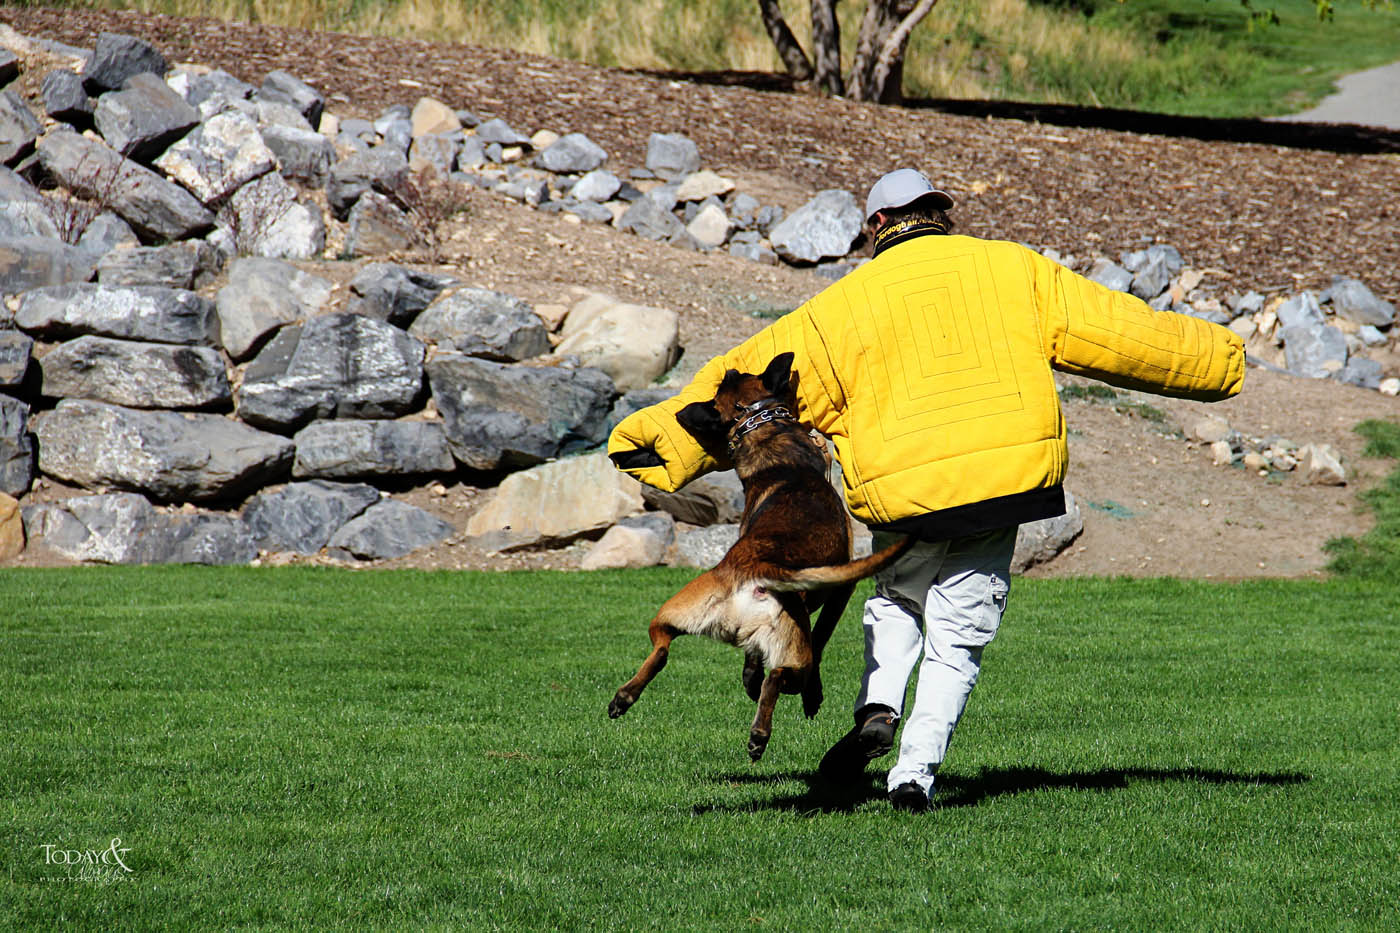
pixel 316 749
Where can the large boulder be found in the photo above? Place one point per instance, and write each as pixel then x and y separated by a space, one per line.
pixel 158 209
pixel 188 265
pixel 173 456
pixel 1314 351
pixel 28 262
pixel 572 153
pixel 335 366
pixel 262 295
pixel 671 155
pixel 16 447
pixel 136 374
pixel 302 154
pixel 138 312
pixel 1039 542
pixel 634 344
pixel 1357 303
pixel 508 416
pixel 379 169
pixel 353 449
pixel 393 293
pixel 19 128
pixel 116 57
pixel 123 528
pixel 485 323
pixel 16 350
pixel 824 228
pixel 27 213
pixel 220 156
pixel 388 529
pixel 712 499
pixel 282 87
pixel 301 517
pixel 142 119
pixel 556 503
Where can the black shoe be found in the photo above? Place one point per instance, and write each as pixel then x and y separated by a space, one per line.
pixel 909 797
pixel 872 737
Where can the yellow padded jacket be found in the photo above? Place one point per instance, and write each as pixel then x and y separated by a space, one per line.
pixel 929 368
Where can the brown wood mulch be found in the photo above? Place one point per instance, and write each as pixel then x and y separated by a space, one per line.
pixel 1267 216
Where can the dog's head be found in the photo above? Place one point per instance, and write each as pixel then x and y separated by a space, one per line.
pixel 742 400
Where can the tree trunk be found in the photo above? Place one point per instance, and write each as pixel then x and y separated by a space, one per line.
pixel 789 50
pixel 826 46
pixel 877 71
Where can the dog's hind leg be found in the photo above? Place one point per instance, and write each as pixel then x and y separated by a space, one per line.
pixel 627 694
pixel 833 605
pixel 779 680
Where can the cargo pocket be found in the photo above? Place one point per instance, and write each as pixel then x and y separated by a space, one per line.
pixel 995 603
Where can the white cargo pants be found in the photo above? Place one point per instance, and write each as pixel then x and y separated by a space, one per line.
pixel 937 606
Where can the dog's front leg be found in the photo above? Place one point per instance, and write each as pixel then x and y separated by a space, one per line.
pixel 762 728
pixel 627 694
pixel 753 674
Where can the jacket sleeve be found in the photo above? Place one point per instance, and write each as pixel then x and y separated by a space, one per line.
pixel 678 458
pixel 1091 330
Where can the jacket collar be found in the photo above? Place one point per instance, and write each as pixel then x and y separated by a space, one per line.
pixel 897 231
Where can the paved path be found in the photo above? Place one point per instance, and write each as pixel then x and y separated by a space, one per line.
pixel 1368 98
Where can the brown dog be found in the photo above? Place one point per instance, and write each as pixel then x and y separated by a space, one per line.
pixel 793 552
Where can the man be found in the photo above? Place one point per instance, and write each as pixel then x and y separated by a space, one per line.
pixel 930 369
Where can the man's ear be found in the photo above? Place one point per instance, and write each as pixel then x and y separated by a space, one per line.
pixel 778 374
pixel 701 419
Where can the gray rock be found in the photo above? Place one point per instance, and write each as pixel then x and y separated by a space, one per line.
pixel 438 150
pixel 156 208
pixel 27 212
pixel 1151 279
pixel 1357 303
pixel 1248 303
pixel 301 517
pixel 704 547
pixel 218 157
pixel 1314 351
pixel 16 349
pixel 19 128
pixel 635 401
pixel 135 374
pixel 162 315
pixel 1110 275
pixel 186 265
pixel 658 523
pixel 713 499
pixel 1371 336
pixel 16 446
pixel 278 113
pixel 591 211
pixel 378 227
pixel 598 185
pixel 498 415
pixel 205 538
pixel 388 529
pixel 264 218
pixel 143 118
pixel 483 323
pixel 380 169
pixel 1168 255
pixel 214 85
pixel 9 66
pixel 554 503
pixel 572 152
pixel 671 155
pixel 471 152
pixel 117 528
pixel 281 87
pixel 499 132
pixel 393 293
pixel 263 295
pixel 651 220
pixel 1361 372
pixel 743 208
pixel 823 228
pixel 1039 542
pixel 349 449
pixel 768 217
pixel 532 191
pixel 335 366
pixel 173 456
pixel 754 252
pixel 117 57
pixel 105 233
pixel 304 155
pixel 1300 310
pixel 29 262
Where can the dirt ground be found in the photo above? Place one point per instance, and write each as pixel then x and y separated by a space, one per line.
pixel 1153 503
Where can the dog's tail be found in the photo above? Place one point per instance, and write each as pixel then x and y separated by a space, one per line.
pixel 814 578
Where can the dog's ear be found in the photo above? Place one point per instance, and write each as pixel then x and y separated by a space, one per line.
pixel 778 374
pixel 701 419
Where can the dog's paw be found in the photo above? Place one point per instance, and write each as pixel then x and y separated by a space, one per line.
pixel 619 705
pixel 758 741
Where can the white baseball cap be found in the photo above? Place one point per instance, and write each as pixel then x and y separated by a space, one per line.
pixel 901 187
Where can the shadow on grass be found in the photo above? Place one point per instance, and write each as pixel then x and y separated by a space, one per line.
pixel 953 790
